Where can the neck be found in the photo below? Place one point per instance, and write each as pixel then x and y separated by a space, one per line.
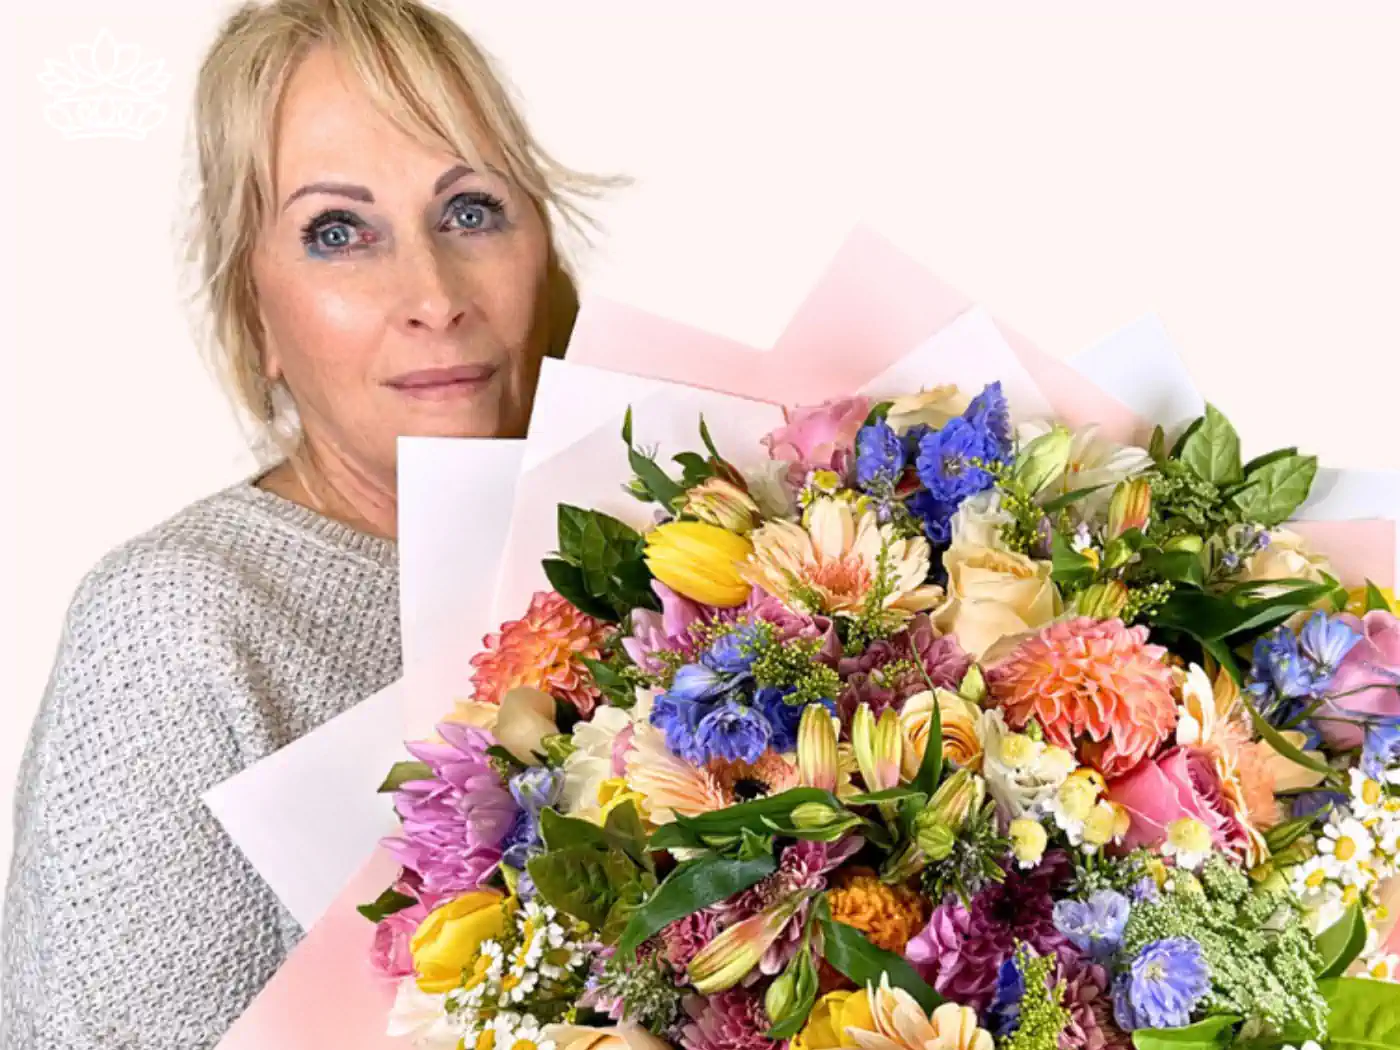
pixel 323 478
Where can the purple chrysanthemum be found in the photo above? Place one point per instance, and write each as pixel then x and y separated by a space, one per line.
pixel 961 949
pixel 455 824
pixel 732 1020
pixel 869 678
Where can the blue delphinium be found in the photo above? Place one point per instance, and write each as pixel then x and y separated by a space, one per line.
pixel 1005 1009
pixel 953 461
pixel 1096 925
pixel 1325 641
pixel 1144 891
pixel 879 456
pixel 679 719
pixel 935 515
pixel 699 682
pixel 784 717
pixel 533 789
pixel 1381 751
pixel 1162 985
pixel 733 653
pixel 735 731
pixel 991 415
pixel 1280 670
pixel 1309 802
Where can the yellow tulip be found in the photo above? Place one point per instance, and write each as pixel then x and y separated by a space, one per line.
pixel 1356 600
pixel 699 561
pixel 831 1017
pixel 448 940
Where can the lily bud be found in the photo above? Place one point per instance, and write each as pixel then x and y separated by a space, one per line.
pixel 781 995
pixel 818 816
pixel 879 747
pixel 1043 459
pixel 816 748
pixel 1130 507
pixel 1118 553
pixel 1103 601
pixel 935 839
pixel 1190 544
pixel 729 958
pixel 719 502
pixel 956 799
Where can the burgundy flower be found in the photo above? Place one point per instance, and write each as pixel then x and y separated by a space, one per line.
pixel 961 949
pixel 870 679
pixel 682 940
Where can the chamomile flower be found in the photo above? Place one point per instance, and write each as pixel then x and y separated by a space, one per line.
pixel 1346 848
pixel 516 1031
pixel 1188 842
pixel 1073 803
pixel 1381 967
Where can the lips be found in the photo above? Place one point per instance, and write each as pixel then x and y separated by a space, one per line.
pixel 443 383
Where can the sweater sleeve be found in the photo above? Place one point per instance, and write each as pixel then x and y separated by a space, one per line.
pixel 105 944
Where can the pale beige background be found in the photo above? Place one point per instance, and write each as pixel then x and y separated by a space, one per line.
pixel 1234 172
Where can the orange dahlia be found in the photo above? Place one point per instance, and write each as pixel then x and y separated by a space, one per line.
pixel 889 916
pixel 1094 686
pixel 544 650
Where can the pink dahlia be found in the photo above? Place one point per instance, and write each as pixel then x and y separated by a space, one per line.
pixel 543 650
pixel 682 940
pixel 1094 686
pixel 454 824
pixel 1085 988
pixel 870 678
pixel 961 949
pixel 732 1020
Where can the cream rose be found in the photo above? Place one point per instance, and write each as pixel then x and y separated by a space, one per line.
pixel 993 595
pixel 1287 557
pixel 930 407
pixel 617 1037
pixel 979 521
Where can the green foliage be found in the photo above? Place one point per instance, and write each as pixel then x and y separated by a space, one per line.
pixel 1041 1017
pixel 1342 942
pixel 1212 449
pixel 600 876
pixel 1261 957
pixel 694 885
pixel 850 953
pixel 403 773
pixel 600 569
pixel 1363 1014
pixel 386 904
pixel 1203 1035
pixel 1275 490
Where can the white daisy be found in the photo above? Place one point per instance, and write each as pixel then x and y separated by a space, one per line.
pixel 1381 967
pixel 1346 848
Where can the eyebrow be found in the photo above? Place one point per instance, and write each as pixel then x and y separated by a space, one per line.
pixel 362 193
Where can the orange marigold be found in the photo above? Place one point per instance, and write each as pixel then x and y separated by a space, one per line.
pixel 889 916
pixel 544 650
pixel 1094 686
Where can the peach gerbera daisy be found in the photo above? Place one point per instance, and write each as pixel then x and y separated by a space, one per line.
pixel 669 785
pixel 543 650
pixel 1095 687
pixel 831 565
pixel 902 1024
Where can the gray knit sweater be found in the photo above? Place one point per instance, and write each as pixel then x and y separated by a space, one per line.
pixel 131 920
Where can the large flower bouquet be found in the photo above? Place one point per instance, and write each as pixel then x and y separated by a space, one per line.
pixel 921 732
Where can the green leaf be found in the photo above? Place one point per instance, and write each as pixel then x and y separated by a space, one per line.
pixel 695 468
pixel 1067 565
pixel 404 772
pixel 1213 1031
pixel 1209 617
pixel 878 413
pixel 694 885
pixel 631 897
pixel 658 483
pixel 582 880
pixel 1375 600
pixel 1341 943
pixel 1063 500
pixel 614 685
pixel 709 441
pixel 1269 457
pixel 1281 836
pixel 1175 566
pixel 874 798
pixel 847 949
pixel 1212 450
pixel 753 815
pixel 624 829
pixel 1365 1014
pixel 1280 744
pixel 931 765
pixel 1273 491
pixel 386 904
pixel 568 581
pixel 1157 447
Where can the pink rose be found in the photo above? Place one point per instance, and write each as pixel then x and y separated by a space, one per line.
pixel 1370 674
pixel 819 437
pixel 1180 782
pixel 391 951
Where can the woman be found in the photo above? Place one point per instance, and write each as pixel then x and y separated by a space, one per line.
pixel 387 269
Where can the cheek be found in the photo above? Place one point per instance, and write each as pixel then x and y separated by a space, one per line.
pixel 325 331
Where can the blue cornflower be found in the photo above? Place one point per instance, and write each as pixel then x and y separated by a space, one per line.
pixel 1096 925
pixel 1004 1013
pixel 734 653
pixel 679 719
pixel 783 716
pixel 734 731
pixel 991 415
pixel 1326 641
pixel 879 455
pixel 1162 985
pixel 1381 751
pixel 945 461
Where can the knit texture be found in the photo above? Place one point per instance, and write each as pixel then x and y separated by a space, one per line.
pixel 132 922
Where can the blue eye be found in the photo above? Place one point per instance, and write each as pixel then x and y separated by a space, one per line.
pixel 336 233
pixel 475 213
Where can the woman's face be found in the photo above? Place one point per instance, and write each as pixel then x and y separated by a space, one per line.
pixel 401 291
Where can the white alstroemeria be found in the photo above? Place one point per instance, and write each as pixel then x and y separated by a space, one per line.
pixel 768 487
pixel 1095 462
pixel 422 1017
pixel 1022 774
pixel 591 761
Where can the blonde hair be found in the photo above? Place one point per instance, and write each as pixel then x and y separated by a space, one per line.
pixel 418 65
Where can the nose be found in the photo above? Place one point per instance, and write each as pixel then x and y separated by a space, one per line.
pixel 435 298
